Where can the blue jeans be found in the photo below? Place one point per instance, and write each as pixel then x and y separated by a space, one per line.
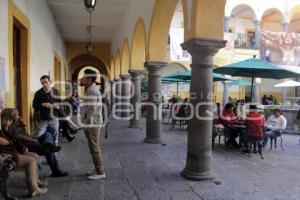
pixel 50 126
pixel 49 138
pixel 270 134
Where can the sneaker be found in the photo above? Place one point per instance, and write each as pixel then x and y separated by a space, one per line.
pixel 59 174
pixel 96 176
pixel 90 173
pixel 39 191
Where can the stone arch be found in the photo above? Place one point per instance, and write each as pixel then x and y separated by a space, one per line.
pixel 125 58
pixel 244 10
pixel 83 60
pixel 117 64
pixel 112 68
pixel 162 15
pixel 138 46
pixel 273 20
pixel 294 22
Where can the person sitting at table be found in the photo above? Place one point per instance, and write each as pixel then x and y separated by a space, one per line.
pixel 275 124
pixel 255 123
pixel 228 118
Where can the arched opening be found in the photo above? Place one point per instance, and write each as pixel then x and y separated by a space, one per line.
pixel 79 89
pixel 272 20
pixel 138 46
pixel 159 29
pixel 294 25
pixel 80 62
pixel 242 24
pixel 125 58
pixel 117 64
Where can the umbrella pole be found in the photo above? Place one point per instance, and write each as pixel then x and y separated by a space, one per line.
pixel 251 94
pixel 177 88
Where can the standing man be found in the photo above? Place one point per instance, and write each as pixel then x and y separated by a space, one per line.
pixel 45 104
pixel 91 119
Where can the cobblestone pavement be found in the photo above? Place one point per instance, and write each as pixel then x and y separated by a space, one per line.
pixel 141 171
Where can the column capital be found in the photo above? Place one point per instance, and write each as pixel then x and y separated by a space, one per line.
pixel 227 18
pixel 134 72
pixel 125 77
pixel 204 46
pixel 117 79
pixel 256 22
pixel 203 50
pixel 154 65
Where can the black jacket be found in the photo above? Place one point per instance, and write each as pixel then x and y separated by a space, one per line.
pixel 42 97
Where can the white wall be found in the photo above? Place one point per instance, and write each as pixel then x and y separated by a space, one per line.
pixel 45 38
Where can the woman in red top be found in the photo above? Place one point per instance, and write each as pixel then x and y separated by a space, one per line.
pixel 228 118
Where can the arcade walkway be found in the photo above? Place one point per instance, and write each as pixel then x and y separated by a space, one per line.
pixel 140 171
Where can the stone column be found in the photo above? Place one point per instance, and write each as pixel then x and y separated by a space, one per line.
pixel 285 27
pixel 112 92
pixel 153 123
pixel 226 24
pixel 136 98
pixel 198 162
pixel 126 86
pixel 257 32
pixel 118 93
pixel 284 92
pixel 284 95
pixel 225 93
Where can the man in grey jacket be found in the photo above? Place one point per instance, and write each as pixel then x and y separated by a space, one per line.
pixel 91 119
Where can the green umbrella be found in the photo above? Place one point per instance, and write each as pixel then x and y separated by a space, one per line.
pixel 239 83
pixel 171 80
pixel 188 74
pixel 256 68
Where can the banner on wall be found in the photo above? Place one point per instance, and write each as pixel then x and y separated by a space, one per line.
pixel 2 84
pixel 280 48
pixel 176 39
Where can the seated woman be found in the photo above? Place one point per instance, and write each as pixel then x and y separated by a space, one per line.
pixel 24 157
pixel 44 145
pixel 228 118
pixel 18 131
pixel 275 124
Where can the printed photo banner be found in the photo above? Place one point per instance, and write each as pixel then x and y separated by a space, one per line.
pixel 280 48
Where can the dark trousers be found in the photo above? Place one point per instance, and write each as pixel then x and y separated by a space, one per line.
pixel 232 134
pixel 48 138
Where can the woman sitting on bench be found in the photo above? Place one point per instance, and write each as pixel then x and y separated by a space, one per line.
pixel 24 157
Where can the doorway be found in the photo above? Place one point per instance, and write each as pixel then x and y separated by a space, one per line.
pixel 17 67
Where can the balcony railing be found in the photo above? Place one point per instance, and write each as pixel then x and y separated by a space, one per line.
pixel 241 40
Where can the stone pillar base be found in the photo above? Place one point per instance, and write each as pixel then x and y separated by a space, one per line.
pixel 153 140
pixel 197 176
pixel 134 126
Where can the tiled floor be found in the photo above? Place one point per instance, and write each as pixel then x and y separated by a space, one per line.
pixel 141 171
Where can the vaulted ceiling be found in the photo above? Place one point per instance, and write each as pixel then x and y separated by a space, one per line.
pixel 73 19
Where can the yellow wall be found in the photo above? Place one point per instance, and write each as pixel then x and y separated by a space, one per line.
pixel 15 14
pixel 138 46
pixel 102 51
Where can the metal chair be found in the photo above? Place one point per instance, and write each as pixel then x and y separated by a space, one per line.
pixel 279 135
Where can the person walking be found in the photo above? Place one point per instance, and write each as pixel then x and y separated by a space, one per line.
pixel 91 119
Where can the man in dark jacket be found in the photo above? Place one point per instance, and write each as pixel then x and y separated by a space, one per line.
pixel 46 106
